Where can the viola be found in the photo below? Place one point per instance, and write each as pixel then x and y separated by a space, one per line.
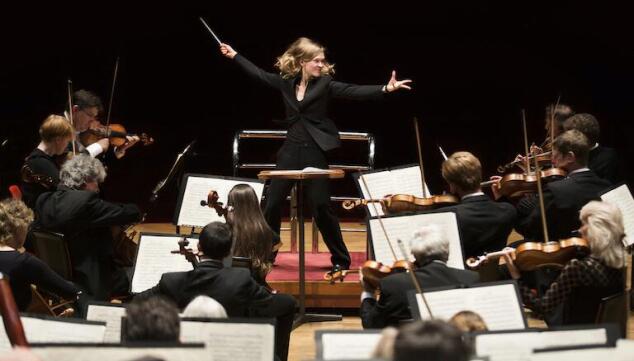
pixel 212 202
pixel 514 185
pixel 398 203
pixel 187 252
pixel 115 133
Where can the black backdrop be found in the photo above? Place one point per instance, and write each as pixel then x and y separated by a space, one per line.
pixel 474 68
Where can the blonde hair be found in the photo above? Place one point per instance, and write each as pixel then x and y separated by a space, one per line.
pixel 463 170
pixel 55 126
pixel 302 49
pixel 15 216
pixel 605 232
pixel 468 321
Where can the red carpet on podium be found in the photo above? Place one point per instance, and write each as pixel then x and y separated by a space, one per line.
pixel 287 266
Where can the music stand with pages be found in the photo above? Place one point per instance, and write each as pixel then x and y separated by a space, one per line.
pixel 299 176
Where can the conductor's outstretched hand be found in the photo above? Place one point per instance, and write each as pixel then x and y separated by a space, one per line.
pixel 394 84
pixel 227 50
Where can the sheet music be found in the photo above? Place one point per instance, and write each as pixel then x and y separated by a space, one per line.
pixel 397 181
pixel 70 353
pixel 590 354
pixel 56 331
pixel 228 341
pixel 498 305
pixel 518 346
pixel 197 188
pixel 349 346
pixel 403 228
pixel 408 181
pixel 624 350
pixel 154 258
pixel 622 198
pixel 111 315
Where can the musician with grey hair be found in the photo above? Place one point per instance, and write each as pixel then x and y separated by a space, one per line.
pixel 76 211
pixel 430 247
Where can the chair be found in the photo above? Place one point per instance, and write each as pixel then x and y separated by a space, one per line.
pixel 614 309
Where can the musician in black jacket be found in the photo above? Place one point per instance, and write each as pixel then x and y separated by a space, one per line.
pixel 305 81
pixel 233 288
pixel 430 247
pixel 484 224
pixel 86 221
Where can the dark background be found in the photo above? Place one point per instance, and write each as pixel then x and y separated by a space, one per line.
pixel 474 66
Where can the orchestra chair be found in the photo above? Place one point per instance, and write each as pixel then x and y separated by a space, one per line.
pixel 614 309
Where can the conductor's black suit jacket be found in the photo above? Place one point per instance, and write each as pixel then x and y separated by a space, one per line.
pixel 312 111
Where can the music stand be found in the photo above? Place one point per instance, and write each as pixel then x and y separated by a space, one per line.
pixel 299 176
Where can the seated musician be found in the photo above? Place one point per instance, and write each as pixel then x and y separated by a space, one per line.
pixel 563 198
pixel 252 236
pixel 234 288
pixel 601 160
pixel 430 340
pixel 153 319
pixel 24 269
pixel 430 248
pixel 484 224
pixel 41 169
pixel 583 282
pixel 76 211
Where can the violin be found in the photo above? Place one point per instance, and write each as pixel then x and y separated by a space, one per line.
pixel 29 176
pixel 543 159
pixel 398 203
pixel 187 252
pixel 212 202
pixel 514 185
pixel 115 133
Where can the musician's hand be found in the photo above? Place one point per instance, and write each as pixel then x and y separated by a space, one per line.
pixel 535 149
pixel 515 273
pixel 104 143
pixel 130 141
pixel 495 187
pixel 394 84
pixel 228 51
pixel 365 285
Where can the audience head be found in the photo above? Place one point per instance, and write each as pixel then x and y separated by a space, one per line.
pixel 602 226
pixel 151 319
pixel 204 307
pixel 15 218
pixel 463 172
pixel 428 244
pixel 86 109
pixel 82 172
pixel 56 132
pixel 561 113
pixel 430 341
pixel 570 150
pixel 215 240
pixel 468 321
pixel 586 124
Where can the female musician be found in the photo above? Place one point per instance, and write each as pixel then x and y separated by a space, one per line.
pixel 596 276
pixel 55 134
pixel 252 236
pixel 305 81
pixel 24 269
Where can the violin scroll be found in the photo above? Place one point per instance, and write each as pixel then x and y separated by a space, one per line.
pixel 213 202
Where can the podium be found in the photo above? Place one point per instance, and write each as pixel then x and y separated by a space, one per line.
pixel 299 176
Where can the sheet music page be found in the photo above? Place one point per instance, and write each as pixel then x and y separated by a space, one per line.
pixel 379 184
pixel 591 354
pixel 622 198
pixel 403 228
pixel 197 189
pixel 121 353
pixel 155 258
pixel 409 181
pixel 518 346
pixel 497 305
pixel 232 341
pixel 52 331
pixel 624 350
pixel 111 315
pixel 349 346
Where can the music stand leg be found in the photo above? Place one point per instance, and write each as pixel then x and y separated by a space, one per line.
pixel 302 317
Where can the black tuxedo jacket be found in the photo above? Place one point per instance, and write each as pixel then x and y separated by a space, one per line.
pixel 484 224
pixel 605 163
pixel 233 288
pixel 312 111
pixel 392 306
pixel 563 199
pixel 85 221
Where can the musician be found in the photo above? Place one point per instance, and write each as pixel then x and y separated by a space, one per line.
pixel 252 236
pixel 563 198
pixel 24 269
pixel 86 221
pixel 430 340
pixel 234 288
pixel 430 248
pixel 153 319
pixel 306 83
pixel 583 282
pixel 55 134
pixel 601 160
pixel 484 224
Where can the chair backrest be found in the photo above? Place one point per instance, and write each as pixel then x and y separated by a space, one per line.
pixel 614 309
pixel 243 262
pixel 52 249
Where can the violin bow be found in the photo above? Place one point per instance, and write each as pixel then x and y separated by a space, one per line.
pixel 420 157
pixel 403 252
pixel 542 209
pixel 70 112
pixel 528 164
pixel 114 82
pixel 552 124
pixel 442 152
